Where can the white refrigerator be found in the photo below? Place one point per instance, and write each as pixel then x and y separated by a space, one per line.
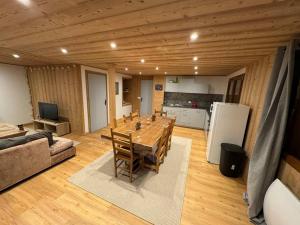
pixel 227 125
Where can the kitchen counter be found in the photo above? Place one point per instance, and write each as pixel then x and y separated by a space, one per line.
pixel 189 107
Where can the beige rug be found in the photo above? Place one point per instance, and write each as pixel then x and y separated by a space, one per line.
pixel 156 198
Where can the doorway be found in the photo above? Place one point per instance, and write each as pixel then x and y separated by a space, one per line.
pixel 97 100
pixel 146 97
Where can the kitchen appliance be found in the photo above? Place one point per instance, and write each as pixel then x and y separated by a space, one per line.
pixel 227 125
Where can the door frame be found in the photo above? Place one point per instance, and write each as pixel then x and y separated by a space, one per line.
pixel 231 80
pixel 88 95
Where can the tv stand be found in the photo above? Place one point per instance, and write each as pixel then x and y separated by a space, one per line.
pixel 56 127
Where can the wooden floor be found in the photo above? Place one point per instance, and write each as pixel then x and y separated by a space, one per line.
pixel 48 198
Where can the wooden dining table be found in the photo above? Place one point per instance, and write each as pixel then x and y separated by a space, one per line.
pixel 147 137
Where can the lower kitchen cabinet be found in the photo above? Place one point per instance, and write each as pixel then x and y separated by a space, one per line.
pixel 187 117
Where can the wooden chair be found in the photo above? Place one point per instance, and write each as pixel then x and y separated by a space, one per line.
pixel 153 161
pixel 115 123
pixel 123 154
pixel 161 113
pixel 125 119
pixel 133 115
pixel 172 124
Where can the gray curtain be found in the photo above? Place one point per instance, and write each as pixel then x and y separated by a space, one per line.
pixel 267 150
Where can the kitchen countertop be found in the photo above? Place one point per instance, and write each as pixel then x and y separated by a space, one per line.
pixel 188 107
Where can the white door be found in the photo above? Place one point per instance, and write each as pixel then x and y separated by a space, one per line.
pixel 97 101
pixel 146 94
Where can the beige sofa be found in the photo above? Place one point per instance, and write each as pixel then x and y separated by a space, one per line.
pixel 22 161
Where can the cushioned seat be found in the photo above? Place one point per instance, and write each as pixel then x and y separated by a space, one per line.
pixel 60 145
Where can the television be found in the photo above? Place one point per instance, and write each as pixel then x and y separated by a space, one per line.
pixel 48 111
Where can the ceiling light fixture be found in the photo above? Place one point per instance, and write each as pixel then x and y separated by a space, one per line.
pixel 16 56
pixel 166 73
pixel 140 73
pixel 113 45
pixel 25 2
pixel 64 51
pixel 157 68
pixel 194 36
pixel 195 67
pixel 142 60
pixel 195 58
pixel 126 68
pixel 196 72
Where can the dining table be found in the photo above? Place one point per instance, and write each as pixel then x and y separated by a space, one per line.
pixel 147 137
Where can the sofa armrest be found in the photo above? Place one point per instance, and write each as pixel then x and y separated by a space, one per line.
pixel 22 161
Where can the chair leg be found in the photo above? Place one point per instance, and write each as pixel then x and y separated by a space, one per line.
pixel 131 165
pixel 116 173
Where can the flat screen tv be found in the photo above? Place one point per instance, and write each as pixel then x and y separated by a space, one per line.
pixel 48 111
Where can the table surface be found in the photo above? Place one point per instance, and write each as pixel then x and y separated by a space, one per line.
pixel 12 133
pixel 147 137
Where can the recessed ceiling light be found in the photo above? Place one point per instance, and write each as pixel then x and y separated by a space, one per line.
pixel 140 73
pixel 194 36
pixel 126 68
pixel 63 50
pixel 16 56
pixel 157 68
pixel 166 72
pixel 142 60
pixel 195 67
pixel 113 45
pixel 195 58
pixel 25 2
pixel 196 72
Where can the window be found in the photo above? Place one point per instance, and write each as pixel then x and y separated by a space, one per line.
pixel 234 89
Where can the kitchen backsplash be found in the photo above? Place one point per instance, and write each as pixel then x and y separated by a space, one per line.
pixel 188 99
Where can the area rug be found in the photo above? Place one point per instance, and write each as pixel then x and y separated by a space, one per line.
pixel 156 198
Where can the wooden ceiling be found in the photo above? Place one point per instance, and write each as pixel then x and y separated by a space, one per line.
pixel 232 33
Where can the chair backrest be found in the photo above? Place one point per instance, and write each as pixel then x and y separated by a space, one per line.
pixel 161 113
pixel 122 143
pixel 124 119
pixel 163 143
pixel 133 115
pixel 172 124
pixel 115 123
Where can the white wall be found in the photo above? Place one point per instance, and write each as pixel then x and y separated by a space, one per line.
pixel 120 109
pixel 15 100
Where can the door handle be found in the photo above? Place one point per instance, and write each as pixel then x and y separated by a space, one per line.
pixel 105 102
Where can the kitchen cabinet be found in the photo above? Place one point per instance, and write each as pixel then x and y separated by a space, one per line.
pixel 187 117
pixel 185 84
pixel 206 123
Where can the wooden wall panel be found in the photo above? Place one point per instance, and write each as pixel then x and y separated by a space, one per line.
pixel 60 85
pixel 111 75
pixel 253 94
pixel 289 174
pixel 136 92
pixel 158 96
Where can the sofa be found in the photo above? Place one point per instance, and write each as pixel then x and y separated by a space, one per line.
pixel 24 160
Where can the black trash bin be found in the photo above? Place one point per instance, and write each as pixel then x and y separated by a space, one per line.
pixel 232 160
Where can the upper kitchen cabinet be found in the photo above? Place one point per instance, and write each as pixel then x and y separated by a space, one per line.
pixel 186 84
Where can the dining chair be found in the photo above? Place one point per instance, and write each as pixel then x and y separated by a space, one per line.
pixel 115 123
pixel 133 115
pixel 160 112
pixel 125 119
pixel 172 124
pixel 124 157
pixel 153 161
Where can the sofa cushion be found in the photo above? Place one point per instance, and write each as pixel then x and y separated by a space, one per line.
pixel 11 142
pixel 60 145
